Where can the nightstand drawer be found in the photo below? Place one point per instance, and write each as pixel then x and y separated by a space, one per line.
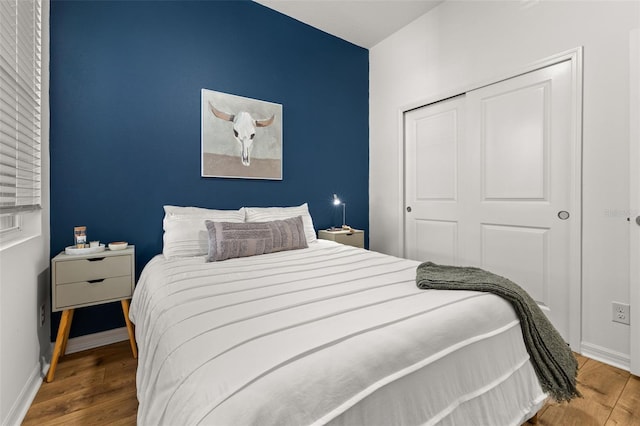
pixel 92 269
pixel 355 239
pixel 79 293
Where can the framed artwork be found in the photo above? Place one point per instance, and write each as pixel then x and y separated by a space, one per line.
pixel 241 137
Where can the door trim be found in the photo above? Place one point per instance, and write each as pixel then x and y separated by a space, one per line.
pixel 634 200
pixel 575 278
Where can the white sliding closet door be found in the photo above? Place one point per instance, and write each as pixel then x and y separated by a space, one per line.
pixel 433 137
pixel 519 205
pixel 498 189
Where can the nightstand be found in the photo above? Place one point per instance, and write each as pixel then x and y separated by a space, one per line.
pixel 354 238
pixel 86 280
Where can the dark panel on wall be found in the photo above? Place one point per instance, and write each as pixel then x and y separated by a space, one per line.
pixel 125 118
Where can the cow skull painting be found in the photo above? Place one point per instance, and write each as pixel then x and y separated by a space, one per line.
pixel 241 137
pixel 244 130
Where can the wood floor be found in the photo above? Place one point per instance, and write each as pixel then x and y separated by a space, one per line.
pixel 97 387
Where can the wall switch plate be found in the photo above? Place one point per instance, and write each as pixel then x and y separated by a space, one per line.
pixel 620 313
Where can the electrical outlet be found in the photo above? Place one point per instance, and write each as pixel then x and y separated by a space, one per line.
pixel 620 313
pixel 43 314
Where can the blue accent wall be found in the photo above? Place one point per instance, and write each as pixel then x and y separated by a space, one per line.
pixel 125 118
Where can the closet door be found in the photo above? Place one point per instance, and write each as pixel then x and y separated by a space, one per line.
pixel 433 135
pixel 497 190
pixel 519 204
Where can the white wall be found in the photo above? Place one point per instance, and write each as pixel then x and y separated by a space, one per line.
pixel 461 43
pixel 24 285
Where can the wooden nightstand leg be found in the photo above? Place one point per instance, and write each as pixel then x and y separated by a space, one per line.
pixel 66 333
pixel 132 336
pixel 63 330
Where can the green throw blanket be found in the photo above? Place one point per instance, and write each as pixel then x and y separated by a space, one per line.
pixel 552 359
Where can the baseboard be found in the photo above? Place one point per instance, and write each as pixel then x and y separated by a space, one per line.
pixel 90 341
pixel 607 356
pixel 24 400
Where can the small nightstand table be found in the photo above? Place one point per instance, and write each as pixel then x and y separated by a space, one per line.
pixel 86 280
pixel 354 238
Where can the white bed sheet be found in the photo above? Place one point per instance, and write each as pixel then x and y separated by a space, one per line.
pixel 328 334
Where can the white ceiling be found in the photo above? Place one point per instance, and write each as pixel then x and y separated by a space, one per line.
pixel 361 22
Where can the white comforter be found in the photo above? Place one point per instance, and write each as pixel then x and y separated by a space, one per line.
pixel 325 334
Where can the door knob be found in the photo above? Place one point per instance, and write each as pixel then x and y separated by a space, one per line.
pixel 563 215
pixel 638 220
pixel 408 209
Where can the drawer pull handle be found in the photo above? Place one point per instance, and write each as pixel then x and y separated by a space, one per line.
pixel 95 259
pixel 95 281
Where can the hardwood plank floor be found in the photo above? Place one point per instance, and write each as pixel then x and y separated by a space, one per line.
pixel 93 387
pixel 97 387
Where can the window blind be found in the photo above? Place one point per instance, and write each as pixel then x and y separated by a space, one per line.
pixel 20 105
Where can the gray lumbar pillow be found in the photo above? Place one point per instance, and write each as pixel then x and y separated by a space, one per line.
pixel 231 239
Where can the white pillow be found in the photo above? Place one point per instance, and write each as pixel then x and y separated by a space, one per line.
pixel 185 233
pixel 266 214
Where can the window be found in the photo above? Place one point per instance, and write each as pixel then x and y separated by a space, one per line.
pixel 9 223
pixel 20 109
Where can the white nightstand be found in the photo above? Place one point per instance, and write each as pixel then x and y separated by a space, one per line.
pixel 86 280
pixel 354 238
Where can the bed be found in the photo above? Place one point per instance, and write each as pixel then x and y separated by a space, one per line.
pixel 327 334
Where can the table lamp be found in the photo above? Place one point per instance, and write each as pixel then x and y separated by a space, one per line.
pixel 337 202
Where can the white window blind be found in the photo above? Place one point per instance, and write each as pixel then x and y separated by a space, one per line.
pixel 20 105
